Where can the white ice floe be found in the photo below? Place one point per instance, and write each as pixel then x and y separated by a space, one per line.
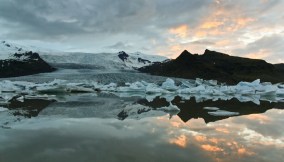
pixel 223 113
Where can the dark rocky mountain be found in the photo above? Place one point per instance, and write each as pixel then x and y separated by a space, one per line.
pixel 279 66
pixel 21 64
pixel 217 66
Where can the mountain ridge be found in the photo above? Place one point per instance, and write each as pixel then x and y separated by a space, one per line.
pixel 217 66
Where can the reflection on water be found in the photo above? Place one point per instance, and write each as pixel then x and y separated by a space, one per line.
pixel 29 107
pixel 86 128
pixel 243 138
pixel 191 109
pixel 110 106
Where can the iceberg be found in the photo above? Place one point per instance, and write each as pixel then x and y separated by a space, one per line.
pixel 169 85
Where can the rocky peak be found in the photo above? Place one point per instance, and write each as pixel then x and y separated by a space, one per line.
pixel 213 53
pixel 122 55
pixel 185 55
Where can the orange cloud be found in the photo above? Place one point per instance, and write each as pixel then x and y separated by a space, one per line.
pixel 223 130
pixel 180 31
pixel 244 21
pixel 260 117
pixel 211 24
pixel 261 54
pixel 211 148
pixel 223 42
pixel 200 138
pixel 180 141
pixel 243 151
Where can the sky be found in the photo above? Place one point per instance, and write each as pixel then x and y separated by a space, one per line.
pixel 246 28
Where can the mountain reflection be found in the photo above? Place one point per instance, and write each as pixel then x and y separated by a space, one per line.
pixel 86 106
pixel 191 109
pixel 29 107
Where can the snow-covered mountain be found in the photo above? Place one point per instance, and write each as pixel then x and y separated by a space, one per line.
pixel 106 61
pixel 8 49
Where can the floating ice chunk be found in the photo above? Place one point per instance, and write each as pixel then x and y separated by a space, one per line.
pixel 267 90
pixel 57 82
pixel 213 82
pixel 169 108
pixel 281 86
pixel 280 92
pixel 3 109
pixel 144 83
pixel 109 87
pixel 217 92
pixel 249 84
pixel 223 113
pixel 169 85
pixel 169 97
pixel 134 87
pixel 21 99
pixel 184 91
pixel 8 86
pixel 8 96
pixel 199 81
pixel 151 97
pixel 245 90
pixel 44 97
pixel 184 96
pixel 153 88
pixel 51 89
pixel 228 89
pixel 198 89
pixel 211 108
pixel 194 90
pixel 186 84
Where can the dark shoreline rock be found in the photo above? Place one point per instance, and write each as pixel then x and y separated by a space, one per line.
pixel 21 64
pixel 217 66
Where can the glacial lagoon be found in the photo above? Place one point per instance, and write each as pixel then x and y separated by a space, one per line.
pixel 124 126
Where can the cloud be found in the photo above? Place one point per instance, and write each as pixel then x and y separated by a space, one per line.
pixel 267 47
pixel 162 26
pixel 53 18
pixel 120 45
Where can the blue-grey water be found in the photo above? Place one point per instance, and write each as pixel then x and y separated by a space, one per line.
pixel 101 127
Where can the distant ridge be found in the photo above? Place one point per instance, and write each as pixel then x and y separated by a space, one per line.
pixel 217 66
pixel 20 64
